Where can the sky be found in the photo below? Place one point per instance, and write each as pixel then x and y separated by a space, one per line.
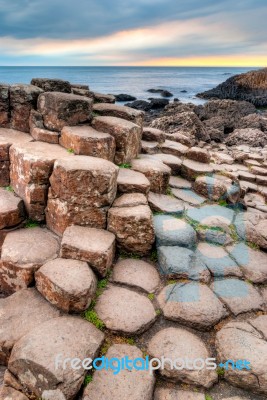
pixel 139 32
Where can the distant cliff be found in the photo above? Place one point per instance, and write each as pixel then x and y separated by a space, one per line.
pixel 251 86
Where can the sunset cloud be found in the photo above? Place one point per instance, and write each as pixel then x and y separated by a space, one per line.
pixel 133 34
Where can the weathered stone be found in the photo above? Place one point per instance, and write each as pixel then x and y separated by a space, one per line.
pixel 37 359
pixel 23 252
pixel 84 140
pixel 191 304
pixel 102 97
pixel 23 98
pixel 246 176
pixel 60 214
pixel 258 170
pixel 152 134
pixel 36 120
pixel 55 282
pixel 218 187
pixel 19 314
pixel 163 393
pixel 252 227
pixel 61 109
pixel 219 157
pixel 43 135
pixel 188 196
pixel 197 154
pixel 255 200
pixel 11 209
pixel 136 273
pixel 95 246
pixel 9 137
pixel 166 204
pixel 31 165
pixel 239 296
pixel 134 385
pixel 192 169
pixel 176 343
pixel 261 180
pixel 240 341
pixel 111 306
pixel 170 160
pixel 218 260
pixel 130 200
pixel 181 138
pixel 133 227
pixel 174 148
pixel 113 110
pixel 4 105
pixel 212 216
pixel 85 180
pixel 171 231
pixel 52 85
pixel 179 183
pixel 149 147
pixel 127 136
pixel 4 173
pixel 8 393
pixel 179 262
pixel 250 136
pixel 156 172
pixel 132 181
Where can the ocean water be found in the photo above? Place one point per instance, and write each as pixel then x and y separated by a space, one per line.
pixel 131 80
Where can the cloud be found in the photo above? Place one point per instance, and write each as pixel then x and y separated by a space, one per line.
pixel 98 33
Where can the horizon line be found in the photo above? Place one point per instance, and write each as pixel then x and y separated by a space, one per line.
pixel 132 66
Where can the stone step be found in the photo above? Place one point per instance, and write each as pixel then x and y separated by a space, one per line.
pixel 82 188
pixel 179 183
pixel 11 209
pixel 198 154
pixel 166 204
pixel 19 314
pixel 103 98
pixel 113 110
pixel 31 165
pixel 156 172
pixel 37 359
pixel 153 135
pixel 189 196
pixel 175 148
pixel 192 169
pixel 55 282
pixel 85 140
pixel 95 246
pixel 7 138
pixel 171 161
pixel 130 181
pixel 23 252
pixel 149 147
pixel 127 136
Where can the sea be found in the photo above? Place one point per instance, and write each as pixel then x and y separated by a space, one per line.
pixel 183 82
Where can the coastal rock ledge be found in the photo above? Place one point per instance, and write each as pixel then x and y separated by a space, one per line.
pixel 251 86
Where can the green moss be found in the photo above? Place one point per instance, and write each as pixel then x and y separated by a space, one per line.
pixel 71 151
pixel 169 191
pixel 125 254
pixel 253 246
pixel 88 379
pixel 208 397
pixel 233 233
pixel 158 312
pixel 125 165
pixel 154 256
pixel 222 203
pixel 31 224
pixel 171 282
pixel 151 296
pixel 91 316
pixel 220 371
pixel 9 188
pixel 130 341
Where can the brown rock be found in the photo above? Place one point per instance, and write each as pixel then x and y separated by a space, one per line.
pixel 31 165
pixel 197 154
pixel 133 227
pixel 52 85
pixel 95 246
pixel 192 169
pixel 61 109
pixel 23 98
pixel 113 110
pixel 11 209
pixel 4 173
pixel 166 204
pixel 180 137
pixel 130 200
pixel 132 181
pixel 152 134
pixel 252 227
pixel 23 252
pixel 37 359
pixel 19 314
pixel 4 105
pixel 174 148
pixel 84 140
pixel 8 393
pixel 163 393
pixel 43 135
pixel 156 172
pixel 127 136
pixel 36 120
pixel 250 136
pixel 55 282
pixel 149 147
pixel 102 98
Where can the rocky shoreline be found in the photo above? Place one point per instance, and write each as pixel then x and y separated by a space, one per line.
pixel 124 233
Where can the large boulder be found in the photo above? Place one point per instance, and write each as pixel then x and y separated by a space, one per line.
pixel 249 136
pixel 4 105
pixel 52 85
pixel 61 109
pixel 23 98
pixel 251 86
